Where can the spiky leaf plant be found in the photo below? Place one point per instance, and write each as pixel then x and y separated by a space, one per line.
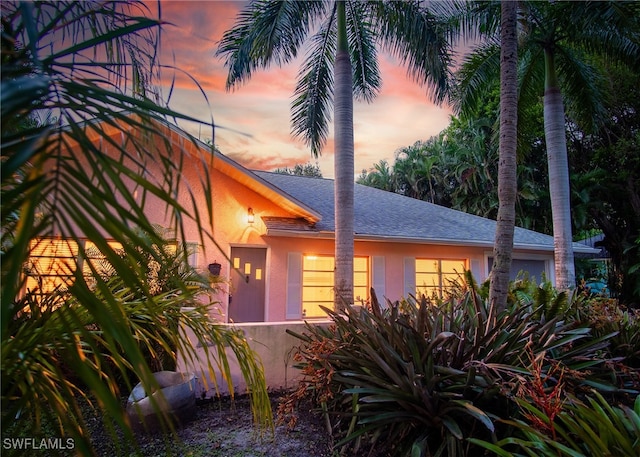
pixel 423 377
pixel 583 428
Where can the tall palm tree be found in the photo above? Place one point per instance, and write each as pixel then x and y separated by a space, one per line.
pixel 507 177
pixel 557 40
pixel 87 68
pixel 347 32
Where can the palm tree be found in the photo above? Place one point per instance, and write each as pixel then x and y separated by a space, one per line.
pixel 380 177
pixel 413 170
pixel 557 40
pixel 472 164
pixel 507 177
pixel 269 32
pixel 86 68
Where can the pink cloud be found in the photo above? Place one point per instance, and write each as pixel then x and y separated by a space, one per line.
pixel 257 114
pixel 266 163
pixel 397 82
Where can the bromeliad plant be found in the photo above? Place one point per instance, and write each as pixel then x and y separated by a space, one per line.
pixel 583 428
pixel 427 376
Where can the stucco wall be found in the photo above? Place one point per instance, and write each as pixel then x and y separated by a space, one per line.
pixel 274 347
pixel 394 254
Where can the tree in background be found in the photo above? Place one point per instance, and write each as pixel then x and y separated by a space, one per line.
pixel 348 32
pixel 457 169
pixel 89 67
pixel 381 177
pixel 606 188
pixel 558 41
pixel 309 170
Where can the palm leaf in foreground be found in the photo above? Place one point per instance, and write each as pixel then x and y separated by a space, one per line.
pixel 88 67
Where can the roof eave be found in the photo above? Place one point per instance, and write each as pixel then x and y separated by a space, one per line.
pixel 410 240
pixel 266 189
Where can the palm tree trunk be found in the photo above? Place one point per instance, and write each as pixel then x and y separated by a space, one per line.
pixel 555 136
pixel 343 167
pixel 507 177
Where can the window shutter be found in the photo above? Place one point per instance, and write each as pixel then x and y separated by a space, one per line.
pixel 409 276
pixel 193 249
pixel 294 286
pixel 475 269
pixel 378 277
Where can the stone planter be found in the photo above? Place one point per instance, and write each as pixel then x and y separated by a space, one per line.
pixel 176 399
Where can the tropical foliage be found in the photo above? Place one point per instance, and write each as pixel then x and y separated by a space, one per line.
pixel 558 43
pixel 76 83
pixel 422 378
pixel 609 188
pixel 458 169
pixel 577 428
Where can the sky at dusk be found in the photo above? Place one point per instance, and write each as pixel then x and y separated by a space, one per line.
pixel 254 119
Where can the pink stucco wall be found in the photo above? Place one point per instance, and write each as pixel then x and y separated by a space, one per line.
pixel 394 254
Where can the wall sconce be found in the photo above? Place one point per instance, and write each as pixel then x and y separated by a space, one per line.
pixel 250 216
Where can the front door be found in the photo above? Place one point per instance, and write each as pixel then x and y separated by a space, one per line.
pixel 246 304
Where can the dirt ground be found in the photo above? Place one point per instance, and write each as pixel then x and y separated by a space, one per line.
pixel 222 428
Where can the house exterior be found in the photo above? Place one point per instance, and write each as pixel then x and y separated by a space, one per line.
pixel 275 236
pixel 270 240
pixel 274 241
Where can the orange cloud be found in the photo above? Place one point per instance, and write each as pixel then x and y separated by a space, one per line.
pixel 257 114
pixel 267 163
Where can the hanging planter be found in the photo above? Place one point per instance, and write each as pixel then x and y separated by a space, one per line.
pixel 214 268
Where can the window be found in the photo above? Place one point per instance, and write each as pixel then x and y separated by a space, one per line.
pixel 317 283
pixel 360 279
pixel 435 276
pixel 53 262
pixel 51 265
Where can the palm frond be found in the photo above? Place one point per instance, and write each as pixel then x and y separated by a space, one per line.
pixel 310 110
pixel 582 86
pixel 266 32
pixel 468 20
pixel 478 74
pixel 611 29
pixel 419 39
pixel 362 46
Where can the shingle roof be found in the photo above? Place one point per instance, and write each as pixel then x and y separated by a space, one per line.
pixel 287 223
pixel 385 215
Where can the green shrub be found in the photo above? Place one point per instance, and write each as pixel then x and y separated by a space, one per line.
pixel 607 317
pixel 583 428
pixel 423 377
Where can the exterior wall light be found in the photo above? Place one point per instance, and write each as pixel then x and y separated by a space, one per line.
pixel 250 216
